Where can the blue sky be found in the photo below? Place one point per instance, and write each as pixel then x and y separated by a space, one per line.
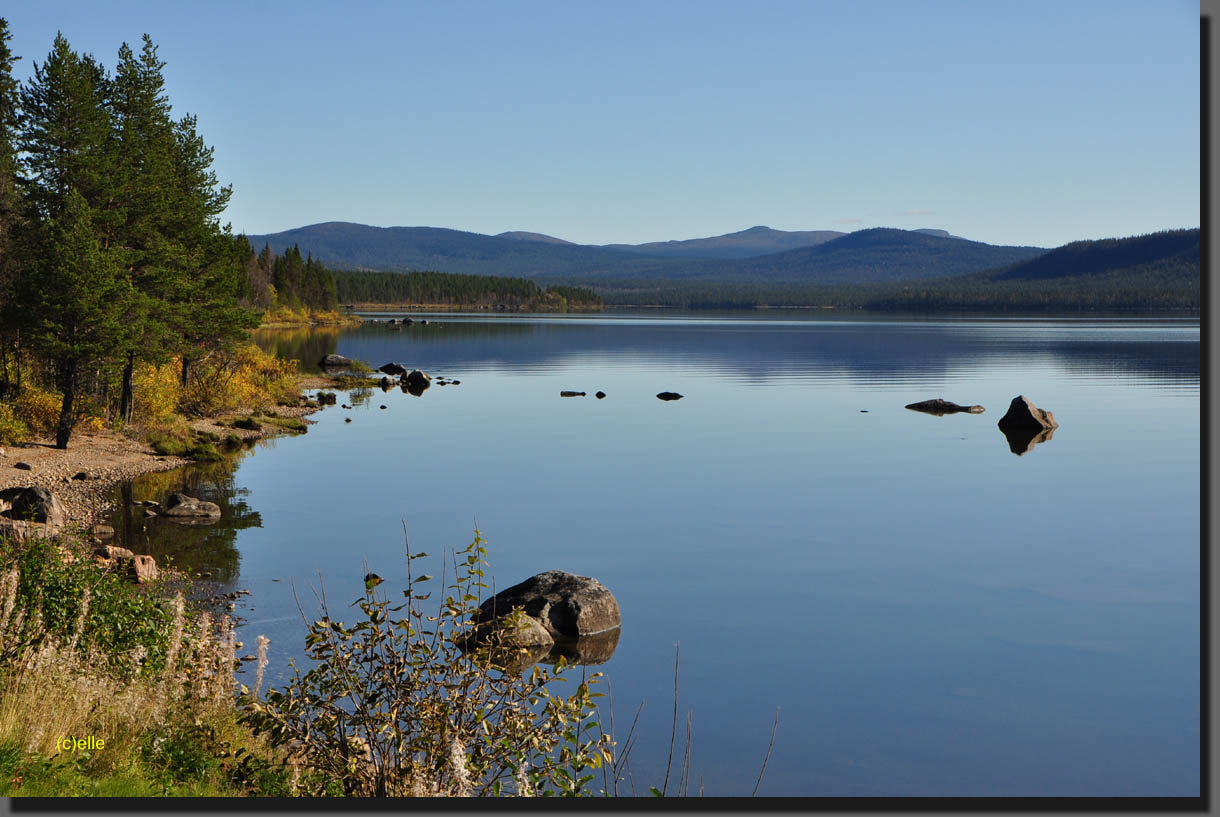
pixel 1026 123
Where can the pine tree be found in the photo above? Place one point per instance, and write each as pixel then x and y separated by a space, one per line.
pixel 206 312
pixel 75 297
pixel 144 137
pixel 10 205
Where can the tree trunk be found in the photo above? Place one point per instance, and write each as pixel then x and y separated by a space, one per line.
pixel 67 416
pixel 186 371
pixel 127 400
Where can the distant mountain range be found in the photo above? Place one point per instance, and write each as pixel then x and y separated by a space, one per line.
pixel 758 254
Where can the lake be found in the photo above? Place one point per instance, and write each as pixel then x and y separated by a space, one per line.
pixel 930 612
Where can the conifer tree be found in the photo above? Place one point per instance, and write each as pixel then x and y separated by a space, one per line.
pixel 75 299
pixel 144 137
pixel 10 204
pixel 207 314
pixel 72 294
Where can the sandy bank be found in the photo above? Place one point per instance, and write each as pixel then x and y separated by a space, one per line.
pixel 107 458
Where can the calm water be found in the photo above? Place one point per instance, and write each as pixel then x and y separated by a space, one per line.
pixel 931 614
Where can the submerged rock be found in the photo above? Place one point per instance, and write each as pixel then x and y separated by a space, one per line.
pixel 571 394
pixel 669 395
pixel 941 407
pixel 600 395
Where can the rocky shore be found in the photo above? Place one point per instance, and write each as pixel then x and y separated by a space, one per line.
pixel 83 476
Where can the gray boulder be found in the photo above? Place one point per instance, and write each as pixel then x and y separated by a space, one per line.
pixel 393 368
pixel 32 504
pixel 1022 413
pixel 334 362
pixel 567 605
pixel 182 507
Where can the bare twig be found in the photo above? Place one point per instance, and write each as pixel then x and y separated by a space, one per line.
pixel 674 732
pixel 768 756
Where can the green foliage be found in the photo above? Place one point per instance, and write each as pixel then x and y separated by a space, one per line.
pixel 126 627
pixel 288 423
pixel 393 706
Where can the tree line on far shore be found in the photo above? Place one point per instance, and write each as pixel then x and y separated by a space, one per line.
pixel 443 288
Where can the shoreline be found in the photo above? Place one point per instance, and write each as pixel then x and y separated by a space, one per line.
pixel 108 458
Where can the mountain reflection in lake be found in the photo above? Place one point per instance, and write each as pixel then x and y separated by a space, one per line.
pixel 931 614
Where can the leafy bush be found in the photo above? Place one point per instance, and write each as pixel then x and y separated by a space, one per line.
pixel 246 378
pixel 71 600
pixel 393 706
pixel 12 428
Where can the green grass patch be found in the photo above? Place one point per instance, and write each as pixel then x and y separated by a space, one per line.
pixel 289 423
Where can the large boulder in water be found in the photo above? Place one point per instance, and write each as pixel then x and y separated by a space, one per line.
pixel 567 605
pixel 393 368
pixel 183 508
pixel 335 362
pixel 1023 414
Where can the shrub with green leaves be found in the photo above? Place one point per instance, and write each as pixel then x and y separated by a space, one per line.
pixel 127 627
pixel 393 706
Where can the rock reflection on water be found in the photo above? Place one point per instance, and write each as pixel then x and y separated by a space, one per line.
pixel 591 649
pixel 181 544
pixel 587 651
pixel 1022 440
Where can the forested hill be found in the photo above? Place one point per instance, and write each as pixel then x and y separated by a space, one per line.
pixel 343 245
pixel 1171 252
pixel 744 244
pixel 866 256
pixel 1149 273
pixel 880 254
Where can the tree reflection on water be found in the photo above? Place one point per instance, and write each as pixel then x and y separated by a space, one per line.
pixel 196 548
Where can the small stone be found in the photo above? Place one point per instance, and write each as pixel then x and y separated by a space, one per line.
pixel 383 406
pixel 249 658
pixel 24 466
pixel 149 513
pixel 669 395
pixel 600 395
pixel 347 419
pixel 80 475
